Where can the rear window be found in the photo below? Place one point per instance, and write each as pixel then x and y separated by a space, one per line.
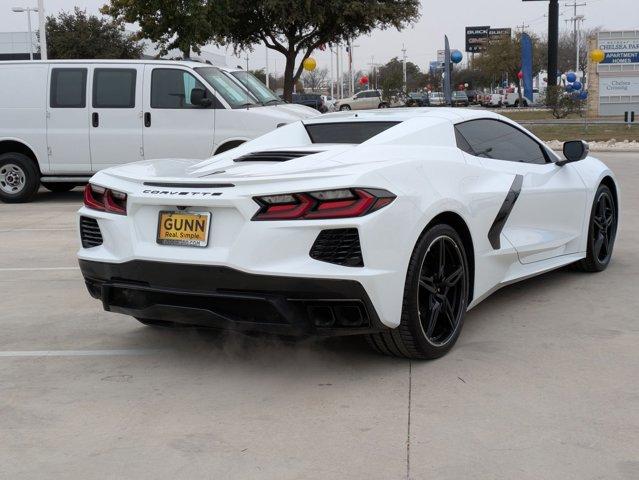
pixel 346 132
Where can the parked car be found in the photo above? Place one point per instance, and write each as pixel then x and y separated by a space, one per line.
pixel 511 99
pixel 493 100
pixel 363 100
pixel 385 224
pixel 329 102
pixel 417 99
pixel 313 100
pixel 472 96
pixel 460 99
pixel 63 120
pixel 265 95
pixel 436 99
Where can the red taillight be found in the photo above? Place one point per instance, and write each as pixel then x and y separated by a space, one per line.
pixel 325 204
pixel 104 199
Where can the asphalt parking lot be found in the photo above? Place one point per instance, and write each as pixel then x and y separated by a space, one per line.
pixel 542 383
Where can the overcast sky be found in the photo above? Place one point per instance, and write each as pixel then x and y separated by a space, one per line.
pixel 422 40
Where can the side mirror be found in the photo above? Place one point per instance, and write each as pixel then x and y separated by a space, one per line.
pixel 574 151
pixel 199 98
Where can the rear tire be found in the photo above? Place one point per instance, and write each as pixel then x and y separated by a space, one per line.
pixel 344 108
pixel 19 178
pixel 602 232
pixel 59 187
pixel 383 105
pixel 435 299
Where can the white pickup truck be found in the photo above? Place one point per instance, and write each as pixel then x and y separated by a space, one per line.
pixel 512 99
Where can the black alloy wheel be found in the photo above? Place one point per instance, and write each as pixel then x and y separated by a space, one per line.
pixel 436 296
pixel 602 231
pixel 441 294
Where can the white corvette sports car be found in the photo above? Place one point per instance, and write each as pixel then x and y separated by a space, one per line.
pixel 387 223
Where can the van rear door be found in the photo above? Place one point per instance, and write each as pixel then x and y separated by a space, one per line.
pixel 173 126
pixel 68 120
pixel 116 114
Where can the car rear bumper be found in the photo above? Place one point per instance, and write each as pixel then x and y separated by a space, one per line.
pixel 222 297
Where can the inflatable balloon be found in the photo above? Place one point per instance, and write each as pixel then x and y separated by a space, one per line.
pixel 570 88
pixel 571 77
pixel 456 56
pixel 597 55
pixel 520 74
pixel 310 64
pixel 577 86
pixel 583 95
pixel 363 80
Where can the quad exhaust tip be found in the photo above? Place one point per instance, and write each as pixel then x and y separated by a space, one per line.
pixel 344 316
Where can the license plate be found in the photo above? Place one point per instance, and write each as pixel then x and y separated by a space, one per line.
pixel 187 229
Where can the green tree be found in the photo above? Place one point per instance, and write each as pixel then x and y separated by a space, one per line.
pixel 295 28
pixel 391 76
pixel 77 35
pixel 182 24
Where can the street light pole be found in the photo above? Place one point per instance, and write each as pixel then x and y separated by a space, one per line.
pixel 553 41
pixel 28 10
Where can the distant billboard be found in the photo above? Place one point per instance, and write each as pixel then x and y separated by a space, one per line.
pixel 478 37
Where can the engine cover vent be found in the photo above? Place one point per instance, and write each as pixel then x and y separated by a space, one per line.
pixel 90 232
pixel 274 156
pixel 339 246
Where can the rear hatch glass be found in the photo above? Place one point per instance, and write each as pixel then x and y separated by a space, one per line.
pixel 346 132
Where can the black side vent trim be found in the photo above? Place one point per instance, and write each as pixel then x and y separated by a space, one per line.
pixel 339 246
pixel 500 220
pixel 90 232
pixel 274 156
pixel 188 185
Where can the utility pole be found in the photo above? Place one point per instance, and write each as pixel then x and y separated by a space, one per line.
pixel 43 30
pixel 266 69
pixel 404 65
pixel 575 19
pixel 330 49
pixel 522 27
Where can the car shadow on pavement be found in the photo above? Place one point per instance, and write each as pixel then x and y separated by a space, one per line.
pixel 45 196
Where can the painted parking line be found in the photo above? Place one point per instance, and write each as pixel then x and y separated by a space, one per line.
pixel 36 269
pixel 11 230
pixel 80 353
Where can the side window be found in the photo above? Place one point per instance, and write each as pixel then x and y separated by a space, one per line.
pixel 68 88
pixel 498 140
pixel 360 95
pixel 114 88
pixel 171 88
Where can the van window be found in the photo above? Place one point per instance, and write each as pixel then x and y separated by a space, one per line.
pixel 114 88
pixel 234 94
pixel 68 88
pixel 171 88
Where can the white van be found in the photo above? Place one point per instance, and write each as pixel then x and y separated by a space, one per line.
pixel 62 121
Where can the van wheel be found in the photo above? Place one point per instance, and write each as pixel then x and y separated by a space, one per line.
pixel 59 187
pixel 19 178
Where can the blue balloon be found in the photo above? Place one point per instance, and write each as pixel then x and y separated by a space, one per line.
pixel 571 77
pixel 583 95
pixel 569 88
pixel 456 56
pixel 577 86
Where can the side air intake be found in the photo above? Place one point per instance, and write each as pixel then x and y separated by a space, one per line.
pixel 90 232
pixel 339 246
pixel 273 156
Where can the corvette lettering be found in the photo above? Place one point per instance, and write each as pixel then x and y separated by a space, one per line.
pixel 182 193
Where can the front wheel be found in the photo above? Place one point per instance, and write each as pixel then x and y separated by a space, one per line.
pixel 383 105
pixel 435 298
pixel 19 178
pixel 602 232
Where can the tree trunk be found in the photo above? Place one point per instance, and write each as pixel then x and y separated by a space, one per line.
pixel 289 80
pixel 186 53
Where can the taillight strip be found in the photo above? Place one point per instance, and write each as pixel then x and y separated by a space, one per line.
pixel 107 202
